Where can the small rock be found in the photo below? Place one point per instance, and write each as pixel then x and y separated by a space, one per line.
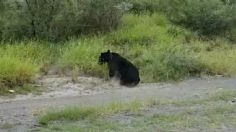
pixel 11 91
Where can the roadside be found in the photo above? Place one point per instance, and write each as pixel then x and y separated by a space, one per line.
pixel 20 114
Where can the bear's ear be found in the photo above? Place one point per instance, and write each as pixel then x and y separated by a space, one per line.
pixel 108 51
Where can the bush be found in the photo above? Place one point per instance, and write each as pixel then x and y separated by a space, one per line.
pixel 229 2
pixel 208 17
pixel 57 20
pixel 100 15
pixel 143 6
pixel 152 6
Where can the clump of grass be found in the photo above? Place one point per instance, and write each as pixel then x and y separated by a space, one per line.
pixel 141 30
pixel 81 113
pixel 21 62
pixel 174 63
pixel 218 57
pixel 224 95
pixel 14 72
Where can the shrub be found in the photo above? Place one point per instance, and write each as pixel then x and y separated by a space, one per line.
pixel 100 15
pixel 208 17
pixel 229 2
pixel 232 35
pixel 152 6
pixel 58 20
pixel 143 6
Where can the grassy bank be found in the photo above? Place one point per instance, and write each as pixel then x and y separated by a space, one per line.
pixel 160 49
pixel 163 115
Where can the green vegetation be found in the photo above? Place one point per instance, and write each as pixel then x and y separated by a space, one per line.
pixel 161 50
pixel 166 39
pixel 15 72
pixel 83 55
pixel 56 20
pixel 90 112
pixel 20 63
pixel 168 115
pixel 208 17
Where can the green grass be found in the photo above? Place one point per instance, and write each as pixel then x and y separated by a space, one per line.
pixel 218 56
pixel 83 55
pixel 33 51
pixel 164 51
pixel 156 46
pixel 21 62
pixel 78 113
pixel 151 42
pixel 209 113
pixel 15 72
pixel 161 50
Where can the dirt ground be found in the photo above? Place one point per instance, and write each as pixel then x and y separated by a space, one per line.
pixel 19 114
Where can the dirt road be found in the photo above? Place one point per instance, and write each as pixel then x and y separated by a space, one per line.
pixel 19 114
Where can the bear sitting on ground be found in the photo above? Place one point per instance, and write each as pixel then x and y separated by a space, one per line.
pixel 121 68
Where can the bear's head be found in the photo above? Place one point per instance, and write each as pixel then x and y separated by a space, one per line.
pixel 105 57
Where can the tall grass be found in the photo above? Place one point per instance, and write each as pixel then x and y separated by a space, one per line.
pixel 218 56
pixel 142 30
pixel 21 62
pixel 15 72
pixel 83 55
pixel 33 51
pixel 156 46
pixel 161 50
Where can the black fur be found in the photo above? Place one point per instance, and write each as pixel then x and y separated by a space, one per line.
pixel 121 68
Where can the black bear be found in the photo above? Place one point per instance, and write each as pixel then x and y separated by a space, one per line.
pixel 121 68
